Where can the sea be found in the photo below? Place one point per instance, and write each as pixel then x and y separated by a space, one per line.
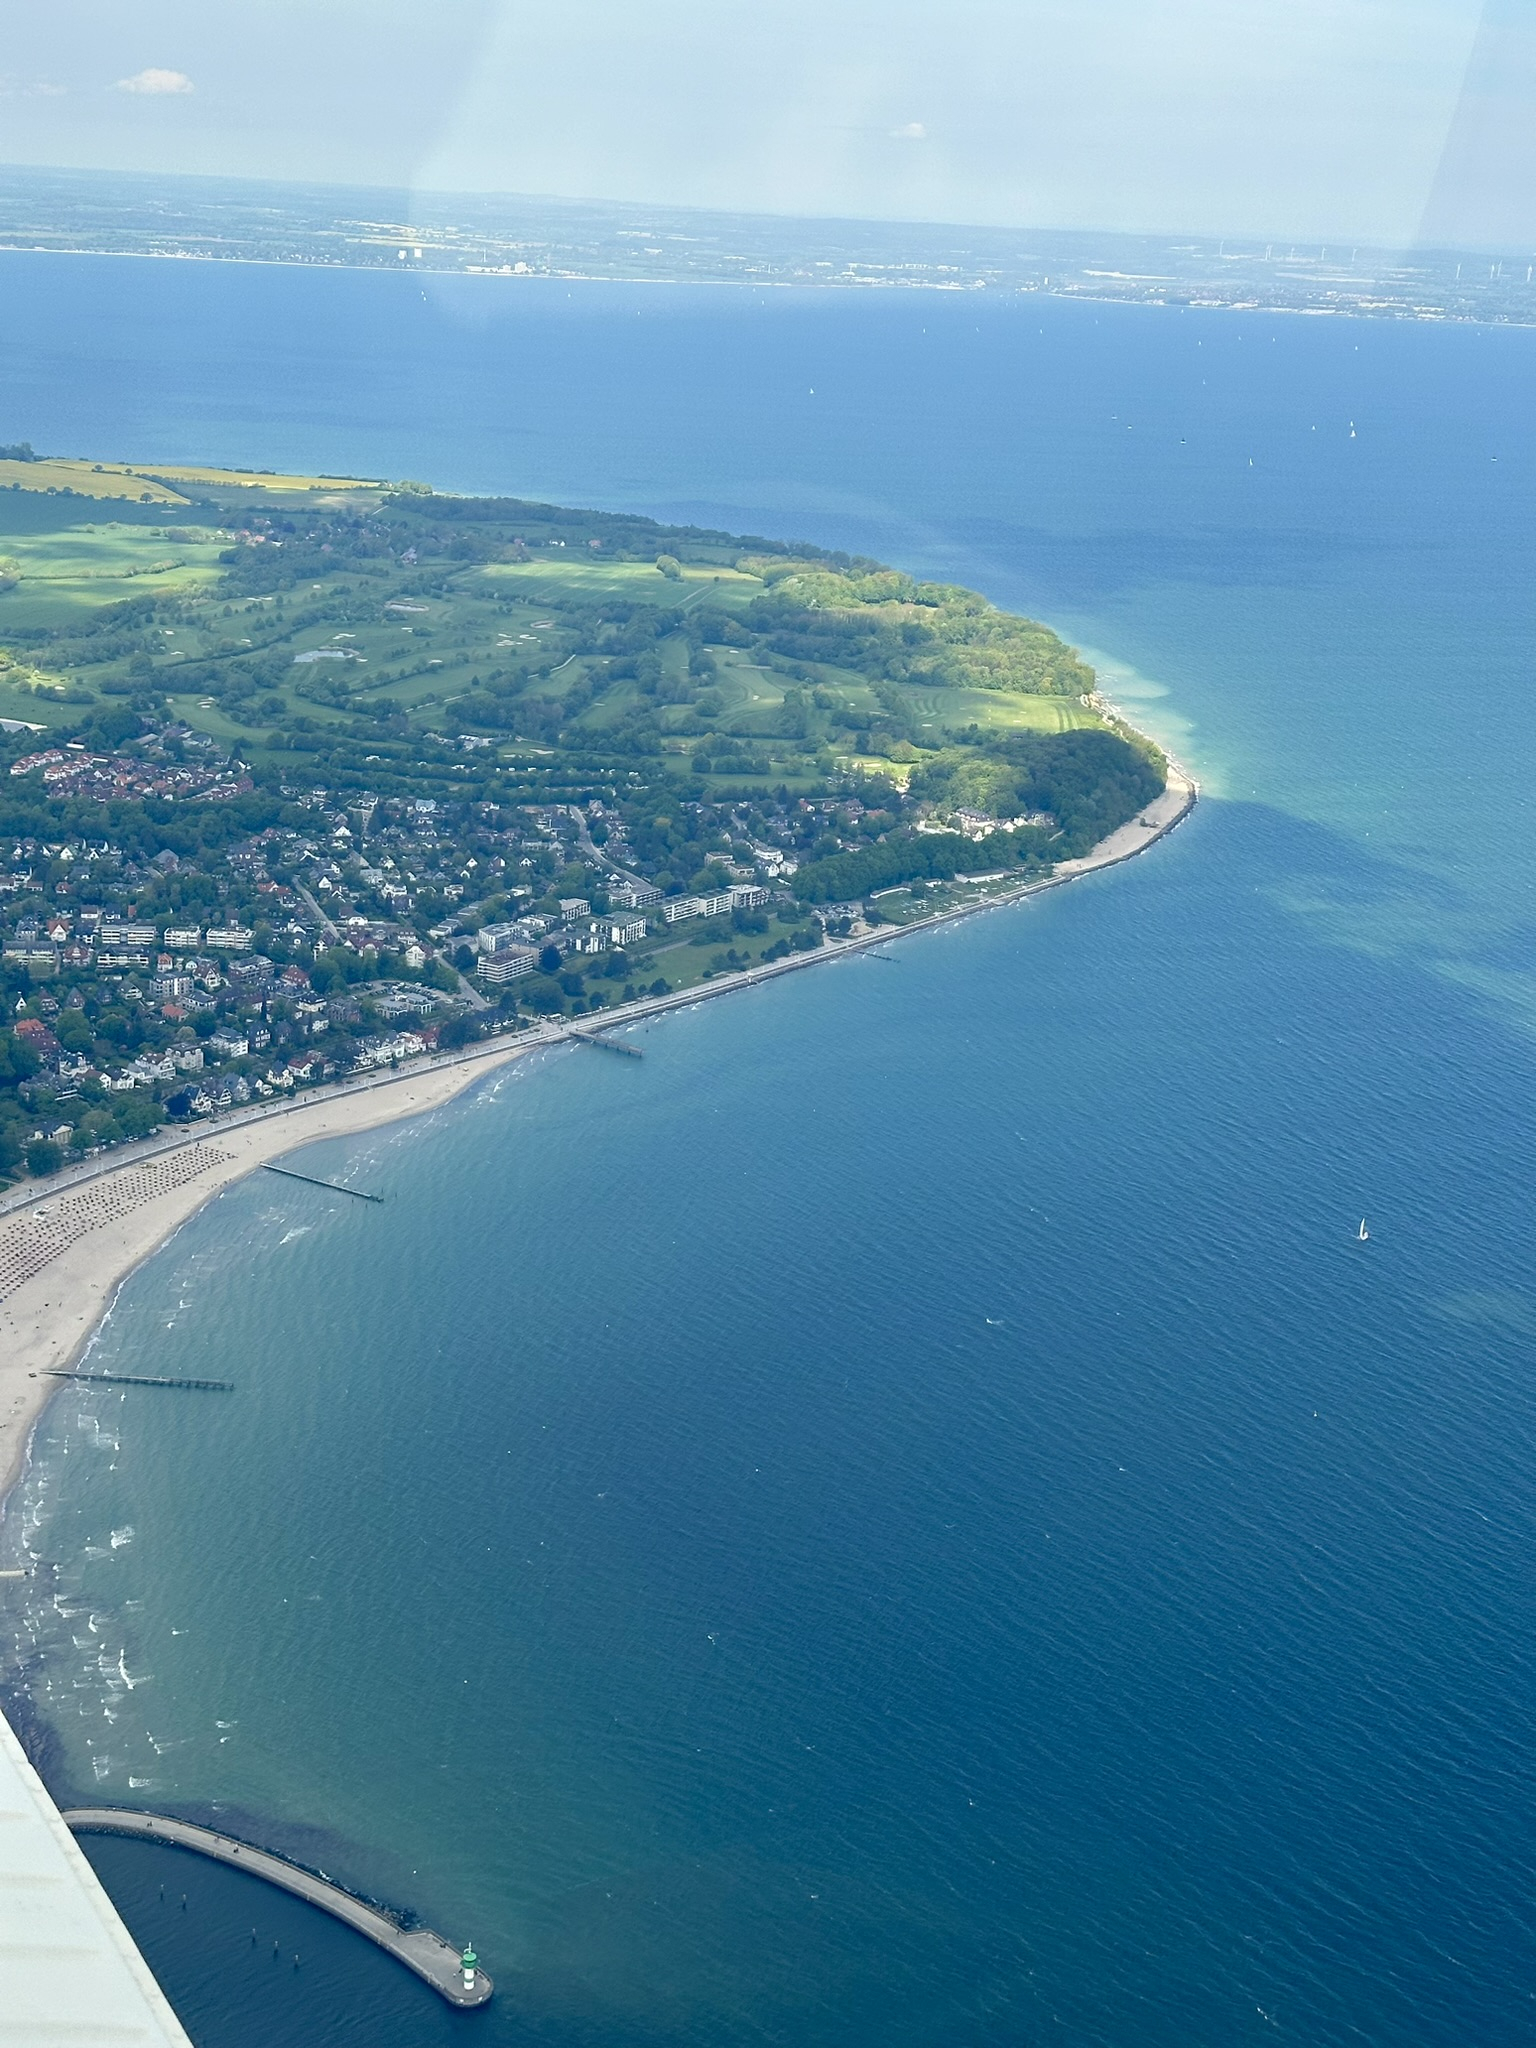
pixel 908 1517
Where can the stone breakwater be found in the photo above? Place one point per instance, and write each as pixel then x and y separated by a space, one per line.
pixel 452 1975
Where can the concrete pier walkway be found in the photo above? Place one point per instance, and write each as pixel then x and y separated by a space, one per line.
pixel 434 1960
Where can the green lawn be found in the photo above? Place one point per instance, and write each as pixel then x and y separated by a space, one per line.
pixel 591 576
pixel 80 568
pixel 34 708
pixel 425 634
pixel 1001 711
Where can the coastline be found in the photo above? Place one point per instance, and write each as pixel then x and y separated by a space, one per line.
pixel 67 1244
pixel 1433 316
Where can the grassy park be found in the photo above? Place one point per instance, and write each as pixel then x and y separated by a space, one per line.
pixel 287 616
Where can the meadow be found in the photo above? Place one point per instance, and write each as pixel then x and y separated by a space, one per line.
pixel 298 614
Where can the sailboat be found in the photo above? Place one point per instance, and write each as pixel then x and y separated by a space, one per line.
pixel 1362 1234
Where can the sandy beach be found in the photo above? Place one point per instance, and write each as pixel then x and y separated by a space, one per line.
pixel 68 1243
pixel 65 1251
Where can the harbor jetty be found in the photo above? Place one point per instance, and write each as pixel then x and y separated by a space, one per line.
pixel 454 1974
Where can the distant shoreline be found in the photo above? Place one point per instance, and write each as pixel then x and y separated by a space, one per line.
pixel 78 1236
pixel 1414 315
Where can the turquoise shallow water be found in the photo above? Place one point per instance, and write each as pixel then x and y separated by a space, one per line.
pixel 903 1517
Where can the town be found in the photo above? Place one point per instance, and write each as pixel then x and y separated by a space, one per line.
pixel 355 934
pixel 333 776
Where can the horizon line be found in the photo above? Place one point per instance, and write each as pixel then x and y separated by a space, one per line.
pixel 1219 236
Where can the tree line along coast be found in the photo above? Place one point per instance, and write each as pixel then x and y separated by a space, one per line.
pixel 305 775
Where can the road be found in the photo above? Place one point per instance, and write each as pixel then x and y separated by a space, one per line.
pixel 594 852
pixel 325 923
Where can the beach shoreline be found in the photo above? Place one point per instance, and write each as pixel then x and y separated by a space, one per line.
pixel 68 1244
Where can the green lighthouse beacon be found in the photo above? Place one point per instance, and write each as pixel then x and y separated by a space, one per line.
pixel 468 1961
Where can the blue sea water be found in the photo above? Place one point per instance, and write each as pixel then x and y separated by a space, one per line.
pixel 904 1517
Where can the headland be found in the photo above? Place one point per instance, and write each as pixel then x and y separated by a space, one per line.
pixel 320 796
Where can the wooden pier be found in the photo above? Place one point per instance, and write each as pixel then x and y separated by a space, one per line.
pixel 435 1961
pixel 630 1052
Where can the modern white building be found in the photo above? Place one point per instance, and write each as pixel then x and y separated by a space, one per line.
pixel 605 932
pixel 510 963
pixel 633 895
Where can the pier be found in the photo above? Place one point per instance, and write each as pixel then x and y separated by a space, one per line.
pixel 630 1052
pixel 136 1379
pixel 435 1961
pixel 333 1187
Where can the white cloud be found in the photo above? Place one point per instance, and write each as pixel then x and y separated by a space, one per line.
pixel 914 131
pixel 154 80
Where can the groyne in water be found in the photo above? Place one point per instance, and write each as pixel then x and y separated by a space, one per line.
pixel 332 1186
pixel 437 1962
pixel 134 1379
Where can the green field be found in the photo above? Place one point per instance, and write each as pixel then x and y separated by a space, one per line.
pixel 85 479
pixel 79 568
pixel 264 608
pixel 594 577
pixel 253 479
pixel 954 710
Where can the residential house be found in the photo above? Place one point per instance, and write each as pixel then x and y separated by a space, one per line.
pixel 34 1033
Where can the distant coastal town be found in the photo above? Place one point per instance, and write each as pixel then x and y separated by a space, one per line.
pixel 521 237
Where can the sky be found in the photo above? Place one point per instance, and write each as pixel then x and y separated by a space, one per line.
pixel 1366 120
